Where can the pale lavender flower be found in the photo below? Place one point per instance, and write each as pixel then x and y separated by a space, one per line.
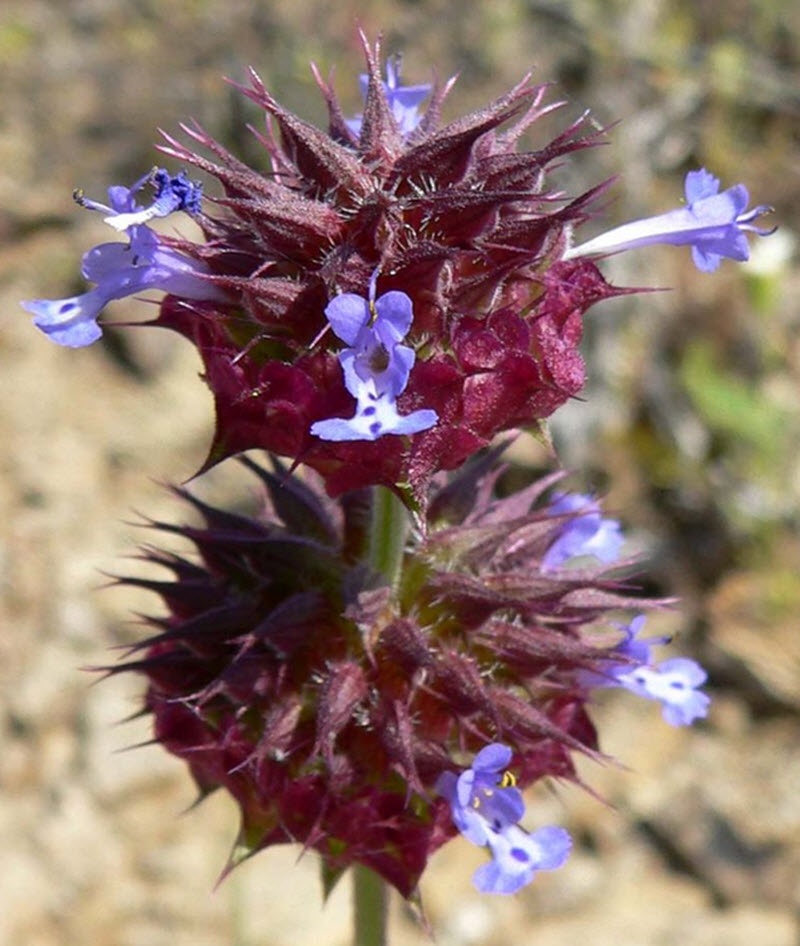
pixel 714 224
pixel 673 683
pixel 119 270
pixel 375 365
pixel 517 856
pixel 404 100
pixel 588 533
pixel 486 809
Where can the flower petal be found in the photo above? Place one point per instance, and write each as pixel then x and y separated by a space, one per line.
pixel 394 316
pixel 700 184
pixel 70 322
pixel 495 757
pixel 347 315
pixel 555 844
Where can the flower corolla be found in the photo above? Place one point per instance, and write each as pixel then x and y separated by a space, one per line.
pixel 588 533
pixel 376 366
pixel 120 269
pixel 673 683
pixel 714 224
pixel 486 809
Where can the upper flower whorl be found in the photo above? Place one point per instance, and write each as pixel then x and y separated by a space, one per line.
pixel 453 216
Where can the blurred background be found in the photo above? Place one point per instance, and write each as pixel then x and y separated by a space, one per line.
pixel 690 426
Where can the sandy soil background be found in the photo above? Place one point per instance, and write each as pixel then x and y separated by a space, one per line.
pixel 690 425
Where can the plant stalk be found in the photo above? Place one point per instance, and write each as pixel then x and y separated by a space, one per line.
pixel 370 907
pixel 387 533
pixel 386 543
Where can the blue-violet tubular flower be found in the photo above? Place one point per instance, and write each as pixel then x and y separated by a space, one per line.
pixel 486 807
pixel 673 683
pixel 375 365
pixel 120 270
pixel 714 224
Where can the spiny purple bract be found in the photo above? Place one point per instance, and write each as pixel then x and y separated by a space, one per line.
pixel 329 704
pixel 453 216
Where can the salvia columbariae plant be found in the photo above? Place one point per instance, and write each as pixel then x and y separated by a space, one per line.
pixel 393 651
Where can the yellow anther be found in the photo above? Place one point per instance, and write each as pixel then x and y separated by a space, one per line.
pixel 509 780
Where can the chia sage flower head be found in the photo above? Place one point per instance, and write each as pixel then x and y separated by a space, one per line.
pixel 453 223
pixel 448 243
pixel 357 717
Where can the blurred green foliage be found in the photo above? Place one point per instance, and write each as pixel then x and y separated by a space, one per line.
pixel 734 409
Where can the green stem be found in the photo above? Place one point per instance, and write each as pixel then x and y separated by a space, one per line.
pixel 387 539
pixel 370 902
pixel 387 533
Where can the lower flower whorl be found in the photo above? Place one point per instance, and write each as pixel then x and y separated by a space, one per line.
pixel 328 704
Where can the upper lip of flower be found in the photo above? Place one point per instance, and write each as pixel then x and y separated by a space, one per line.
pixel 172 193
